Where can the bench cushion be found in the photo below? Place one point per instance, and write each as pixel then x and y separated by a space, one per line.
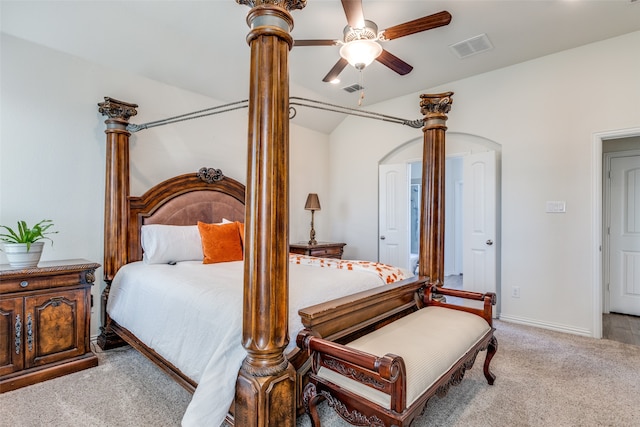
pixel 430 341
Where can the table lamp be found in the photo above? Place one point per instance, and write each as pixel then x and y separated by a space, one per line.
pixel 313 204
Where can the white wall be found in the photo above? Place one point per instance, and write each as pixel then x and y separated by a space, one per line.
pixel 543 113
pixel 52 147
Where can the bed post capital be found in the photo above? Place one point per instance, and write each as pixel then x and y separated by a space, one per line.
pixel 285 4
pixel 117 109
pixel 435 107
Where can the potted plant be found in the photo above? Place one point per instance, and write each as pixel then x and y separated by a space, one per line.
pixel 23 246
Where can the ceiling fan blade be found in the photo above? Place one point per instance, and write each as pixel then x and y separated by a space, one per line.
pixel 315 42
pixel 417 25
pixel 336 70
pixel 354 13
pixel 393 62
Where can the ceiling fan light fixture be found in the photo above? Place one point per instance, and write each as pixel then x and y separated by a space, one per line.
pixel 360 53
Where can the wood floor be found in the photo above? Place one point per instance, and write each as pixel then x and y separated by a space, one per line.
pixel 622 328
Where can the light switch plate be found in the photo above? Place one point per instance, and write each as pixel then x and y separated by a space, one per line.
pixel 556 206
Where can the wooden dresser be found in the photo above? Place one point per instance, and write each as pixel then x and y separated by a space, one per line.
pixel 45 318
pixel 320 249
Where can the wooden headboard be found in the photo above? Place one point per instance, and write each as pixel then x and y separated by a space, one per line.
pixel 206 196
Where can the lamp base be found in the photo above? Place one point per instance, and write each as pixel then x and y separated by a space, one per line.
pixel 312 233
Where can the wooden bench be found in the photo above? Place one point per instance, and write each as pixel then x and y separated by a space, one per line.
pixel 423 354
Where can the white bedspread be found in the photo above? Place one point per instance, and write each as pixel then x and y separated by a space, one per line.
pixel 204 340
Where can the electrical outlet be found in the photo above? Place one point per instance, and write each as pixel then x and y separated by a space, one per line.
pixel 515 291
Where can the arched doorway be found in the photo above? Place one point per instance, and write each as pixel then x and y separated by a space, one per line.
pixel 399 173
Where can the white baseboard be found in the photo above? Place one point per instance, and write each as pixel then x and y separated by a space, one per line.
pixel 546 325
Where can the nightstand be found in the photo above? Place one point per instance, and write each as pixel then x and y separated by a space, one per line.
pixel 320 249
pixel 45 317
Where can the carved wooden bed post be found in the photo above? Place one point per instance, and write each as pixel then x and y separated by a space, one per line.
pixel 116 215
pixel 431 261
pixel 265 389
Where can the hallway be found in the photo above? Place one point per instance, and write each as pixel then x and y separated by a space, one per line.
pixel 621 328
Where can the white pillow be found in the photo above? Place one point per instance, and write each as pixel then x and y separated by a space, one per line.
pixel 163 244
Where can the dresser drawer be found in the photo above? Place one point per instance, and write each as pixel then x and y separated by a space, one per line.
pixel 35 283
pixel 321 249
pixel 47 276
pixel 334 252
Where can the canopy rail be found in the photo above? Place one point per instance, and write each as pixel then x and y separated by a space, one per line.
pixel 293 101
pixel 311 103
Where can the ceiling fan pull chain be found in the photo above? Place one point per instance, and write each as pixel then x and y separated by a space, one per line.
pixel 361 89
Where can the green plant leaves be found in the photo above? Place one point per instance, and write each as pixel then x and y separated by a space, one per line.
pixel 28 235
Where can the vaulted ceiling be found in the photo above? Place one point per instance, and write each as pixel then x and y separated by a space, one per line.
pixel 200 45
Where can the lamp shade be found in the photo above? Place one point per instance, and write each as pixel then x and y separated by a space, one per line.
pixel 313 203
pixel 360 53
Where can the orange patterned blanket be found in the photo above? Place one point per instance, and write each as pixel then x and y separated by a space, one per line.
pixel 388 273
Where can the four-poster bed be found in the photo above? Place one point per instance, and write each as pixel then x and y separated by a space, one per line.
pixel 271 377
pixel 173 300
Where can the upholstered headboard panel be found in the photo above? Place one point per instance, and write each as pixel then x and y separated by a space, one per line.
pixel 205 206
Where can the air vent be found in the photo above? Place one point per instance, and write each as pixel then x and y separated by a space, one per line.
pixel 353 88
pixel 472 46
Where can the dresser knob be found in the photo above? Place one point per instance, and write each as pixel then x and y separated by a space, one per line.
pixel 24 284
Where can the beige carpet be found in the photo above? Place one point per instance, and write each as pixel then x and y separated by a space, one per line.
pixel 125 389
pixel 544 378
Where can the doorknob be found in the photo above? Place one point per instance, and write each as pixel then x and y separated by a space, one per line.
pixel 382 237
pixel 489 242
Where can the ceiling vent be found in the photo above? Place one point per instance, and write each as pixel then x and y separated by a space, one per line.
pixel 353 88
pixel 471 46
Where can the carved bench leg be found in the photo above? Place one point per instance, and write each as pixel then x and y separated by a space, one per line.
pixel 310 400
pixel 491 351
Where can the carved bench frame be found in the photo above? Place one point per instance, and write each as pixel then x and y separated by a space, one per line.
pixel 387 373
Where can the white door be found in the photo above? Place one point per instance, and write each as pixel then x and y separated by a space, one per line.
pixel 453 231
pixel 393 247
pixel 479 222
pixel 624 235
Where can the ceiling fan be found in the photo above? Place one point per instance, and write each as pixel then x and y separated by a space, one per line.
pixel 360 40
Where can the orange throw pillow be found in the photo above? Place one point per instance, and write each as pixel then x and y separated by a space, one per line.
pixel 220 242
pixel 241 230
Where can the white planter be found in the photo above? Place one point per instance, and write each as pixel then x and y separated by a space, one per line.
pixel 18 255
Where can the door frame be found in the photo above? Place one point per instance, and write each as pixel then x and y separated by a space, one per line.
pixel 598 220
pixel 606 221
